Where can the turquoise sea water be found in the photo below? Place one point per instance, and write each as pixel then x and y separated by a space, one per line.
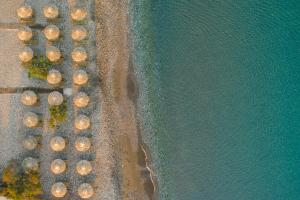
pixel 220 96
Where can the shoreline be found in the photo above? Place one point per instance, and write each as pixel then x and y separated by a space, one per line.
pixel 144 154
pixel 153 184
pixel 128 165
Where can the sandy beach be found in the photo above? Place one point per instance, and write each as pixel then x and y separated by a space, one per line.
pixel 119 93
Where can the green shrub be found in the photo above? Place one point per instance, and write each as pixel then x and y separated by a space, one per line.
pixel 39 67
pixel 58 114
pixel 20 185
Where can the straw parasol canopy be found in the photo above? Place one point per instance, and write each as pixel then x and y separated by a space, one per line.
pixel 30 120
pixel 53 53
pixel 30 143
pixel 57 143
pixel 78 14
pixel 29 98
pixel 79 33
pixel 55 98
pixel 84 167
pixel 26 55
pixel 54 77
pixel 51 32
pixel 85 191
pixel 58 166
pixel 83 144
pixel 25 33
pixel 51 11
pixel 30 163
pixel 82 122
pixel 59 189
pixel 79 54
pixel 80 77
pixel 25 12
pixel 81 100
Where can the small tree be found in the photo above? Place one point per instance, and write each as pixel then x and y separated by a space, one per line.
pixel 58 114
pixel 18 184
pixel 39 67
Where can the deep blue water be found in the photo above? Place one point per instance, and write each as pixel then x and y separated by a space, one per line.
pixel 222 81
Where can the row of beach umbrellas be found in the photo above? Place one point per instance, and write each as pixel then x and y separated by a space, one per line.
pixel 59 166
pixel 31 120
pixel 58 143
pixel 82 144
pixel 52 33
pixel 50 11
pixel 30 98
pixel 79 54
pixel 80 77
pixel 85 190
pixel 79 33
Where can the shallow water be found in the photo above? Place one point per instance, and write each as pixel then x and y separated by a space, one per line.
pixel 221 83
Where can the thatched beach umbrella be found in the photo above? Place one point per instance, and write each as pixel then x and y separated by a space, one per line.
pixel 81 100
pixel 80 77
pixel 84 167
pixel 59 189
pixel 58 166
pixel 51 11
pixel 30 163
pixel 78 14
pixel 54 77
pixel 30 120
pixel 51 32
pixel 25 12
pixel 29 98
pixel 83 144
pixel 26 55
pixel 79 33
pixel 85 191
pixel 57 143
pixel 25 33
pixel 82 122
pixel 79 55
pixel 53 53
pixel 30 143
pixel 55 98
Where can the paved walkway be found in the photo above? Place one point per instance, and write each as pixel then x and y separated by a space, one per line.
pixel 9 25
pixel 18 25
pixel 22 89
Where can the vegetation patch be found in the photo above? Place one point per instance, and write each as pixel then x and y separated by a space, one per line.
pixel 39 67
pixel 58 114
pixel 17 184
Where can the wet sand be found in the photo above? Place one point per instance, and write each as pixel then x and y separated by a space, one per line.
pixel 130 176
